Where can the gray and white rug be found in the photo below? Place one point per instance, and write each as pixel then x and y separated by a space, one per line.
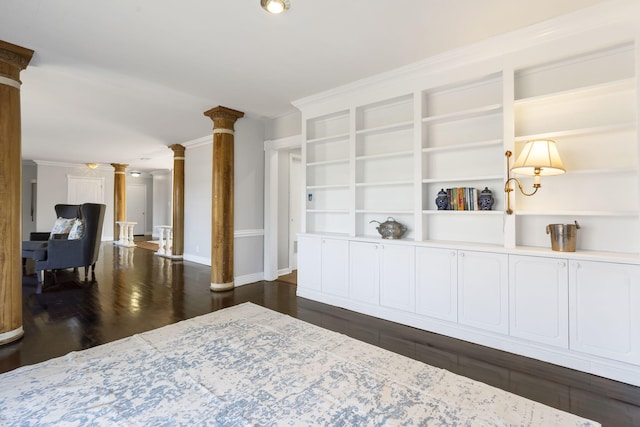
pixel 247 366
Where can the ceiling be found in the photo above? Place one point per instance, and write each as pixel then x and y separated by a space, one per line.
pixel 117 81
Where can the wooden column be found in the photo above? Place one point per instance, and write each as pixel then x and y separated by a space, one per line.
pixel 222 197
pixel 119 197
pixel 13 59
pixel 178 200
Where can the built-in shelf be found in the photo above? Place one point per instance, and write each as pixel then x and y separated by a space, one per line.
pixel 328 186
pixel 328 162
pixel 452 212
pixel 578 213
pixel 386 155
pixel 580 131
pixel 489 143
pixel 462 179
pixel 383 183
pixel 331 138
pixel 386 128
pixel 335 211
pixel 465 114
pixel 384 211
pixel 581 92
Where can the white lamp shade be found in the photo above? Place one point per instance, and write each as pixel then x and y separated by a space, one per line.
pixel 539 155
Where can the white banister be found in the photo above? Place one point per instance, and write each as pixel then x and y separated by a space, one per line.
pixel 126 234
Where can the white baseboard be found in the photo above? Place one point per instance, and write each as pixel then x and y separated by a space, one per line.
pixel 197 259
pixel 248 278
pixel 284 271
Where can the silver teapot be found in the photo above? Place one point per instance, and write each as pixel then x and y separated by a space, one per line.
pixel 390 229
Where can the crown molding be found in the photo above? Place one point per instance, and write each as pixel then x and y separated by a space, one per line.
pixel 69 165
pixel 289 142
pixel 198 142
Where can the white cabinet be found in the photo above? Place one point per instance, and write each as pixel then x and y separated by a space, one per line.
pixel 382 274
pixel 604 307
pixel 397 278
pixel 309 263
pixel 364 276
pixel 483 294
pixel 335 266
pixel 437 283
pixel 538 299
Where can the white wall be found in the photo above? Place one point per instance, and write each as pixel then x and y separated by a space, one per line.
pixel 161 200
pixel 284 126
pixel 52 189
pixel 29 174
pixel 249 201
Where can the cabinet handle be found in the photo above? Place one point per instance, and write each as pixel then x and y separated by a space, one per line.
pixel 461 254
pixel 453 253
pixel 562 264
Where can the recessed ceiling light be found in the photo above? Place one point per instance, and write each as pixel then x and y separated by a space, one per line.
pixel 275 6
pixel 135 174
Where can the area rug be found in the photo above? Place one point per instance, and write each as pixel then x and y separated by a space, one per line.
pixel 246 366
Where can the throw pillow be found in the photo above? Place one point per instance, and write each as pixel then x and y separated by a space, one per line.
pixel 62 226
pixel 77 231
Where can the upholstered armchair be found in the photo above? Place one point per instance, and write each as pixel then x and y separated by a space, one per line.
pixel 80 249
pixel 36 247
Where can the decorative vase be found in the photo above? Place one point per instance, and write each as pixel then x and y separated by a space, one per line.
pixel 442 201
pixel 485 200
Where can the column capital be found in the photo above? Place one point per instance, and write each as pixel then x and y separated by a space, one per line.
pixel 178 150
pixel 14 55
pixel 119 167
pixel 223 117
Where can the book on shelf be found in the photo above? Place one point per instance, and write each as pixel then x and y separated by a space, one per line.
pixel 463 199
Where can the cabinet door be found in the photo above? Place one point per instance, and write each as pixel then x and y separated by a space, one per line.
pixel 604 307
pixel 364 277
pixel 335 266
pixel 309 263
pixel 539 299
pixel 483 294
pixel 397 277
pixel 437 283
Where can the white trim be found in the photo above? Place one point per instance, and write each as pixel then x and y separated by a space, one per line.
pixel 197 259
pixel 10 82
pixel 70 165
pixel 287 143
pixel 248 278
pixel 284 271
pixel 237 234
pixel 271 149
pixel 198 142
pixel 7 337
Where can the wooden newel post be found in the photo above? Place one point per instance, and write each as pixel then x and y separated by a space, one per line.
pixel 119 197
pixel 222 197
pixel 178 200
pixel 13 59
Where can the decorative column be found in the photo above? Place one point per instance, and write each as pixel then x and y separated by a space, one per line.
pixel 13 59
pixel 178 200
pixel 222 197
pixel 119 197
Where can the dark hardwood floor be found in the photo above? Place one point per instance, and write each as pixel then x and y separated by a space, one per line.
pixel 135 291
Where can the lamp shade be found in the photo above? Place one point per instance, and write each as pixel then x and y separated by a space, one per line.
pixel 539 157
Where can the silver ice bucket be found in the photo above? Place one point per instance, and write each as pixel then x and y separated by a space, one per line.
pixel 563 236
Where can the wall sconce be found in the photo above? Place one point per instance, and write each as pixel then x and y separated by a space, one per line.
pixel 538 158
pixel 275 6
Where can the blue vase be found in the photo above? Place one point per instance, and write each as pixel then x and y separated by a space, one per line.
pixel 485 199
pixel 442 201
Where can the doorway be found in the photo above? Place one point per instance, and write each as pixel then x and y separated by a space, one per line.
pixel 85 189
pixel 295 206
pixel 137 207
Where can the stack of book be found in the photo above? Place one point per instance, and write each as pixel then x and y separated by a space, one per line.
pixel 463 199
